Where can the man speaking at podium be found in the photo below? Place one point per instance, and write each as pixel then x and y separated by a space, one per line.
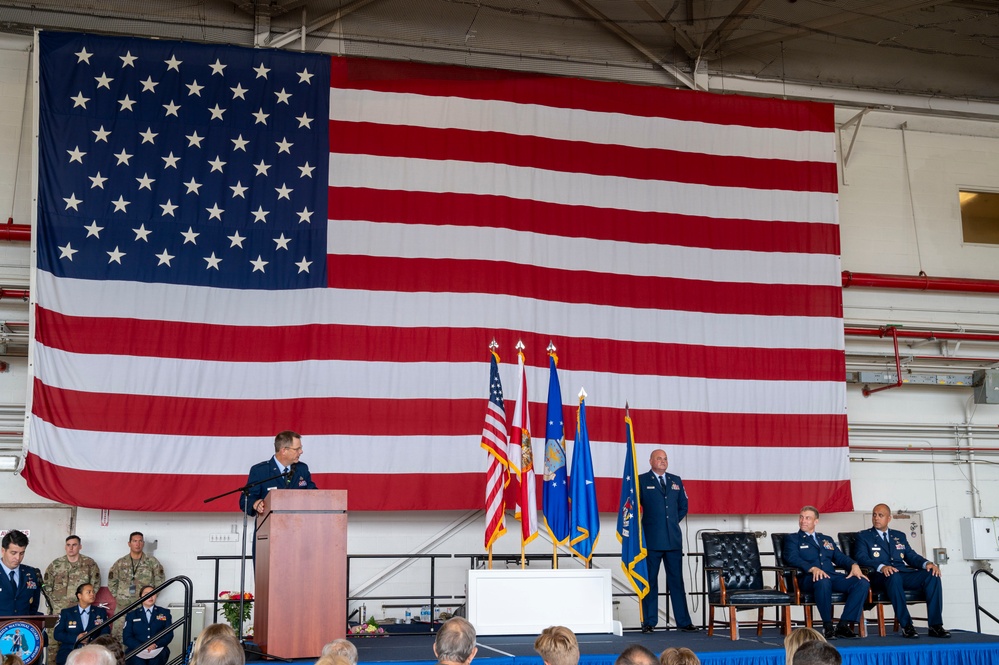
pixel 292 474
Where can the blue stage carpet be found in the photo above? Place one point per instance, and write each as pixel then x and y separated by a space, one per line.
pixel 965 648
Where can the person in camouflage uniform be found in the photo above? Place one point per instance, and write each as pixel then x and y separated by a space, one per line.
pixel 64 576
pixel 130 573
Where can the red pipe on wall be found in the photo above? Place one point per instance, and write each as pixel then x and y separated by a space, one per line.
pixel 921 282
pixel 14 293
pixel 15 232
pixel 920 334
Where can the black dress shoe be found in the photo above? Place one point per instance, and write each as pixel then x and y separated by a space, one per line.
pixel 844 631
pixel 909 632
pixel 830 633
pixel 690 628
pixel 646 629
pixel 939 631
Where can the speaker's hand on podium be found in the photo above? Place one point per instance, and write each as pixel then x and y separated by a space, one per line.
pixel 259 506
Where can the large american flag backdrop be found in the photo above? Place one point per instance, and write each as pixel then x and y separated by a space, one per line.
pixel 233 242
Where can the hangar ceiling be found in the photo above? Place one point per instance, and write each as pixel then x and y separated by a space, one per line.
pixel 931 48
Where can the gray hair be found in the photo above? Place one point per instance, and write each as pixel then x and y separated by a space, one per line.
pixel 91 654
pixel 455 641
pixel 341 648
pixel 220 650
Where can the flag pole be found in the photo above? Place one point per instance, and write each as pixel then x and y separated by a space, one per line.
pixel 551 352
pixel 523 475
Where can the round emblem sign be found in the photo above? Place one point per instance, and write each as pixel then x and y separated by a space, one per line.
pixel 22 639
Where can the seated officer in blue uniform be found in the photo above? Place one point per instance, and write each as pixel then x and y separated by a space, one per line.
pixel 141 624
pixel 816 556
pixel 20 585
pixel 76 621
pixel 899 567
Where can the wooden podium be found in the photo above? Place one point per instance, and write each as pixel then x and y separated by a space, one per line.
pixel 301 572
pixel 27 631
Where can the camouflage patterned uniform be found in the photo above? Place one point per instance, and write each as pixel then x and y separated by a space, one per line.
pixel 62 578
pixel 126 579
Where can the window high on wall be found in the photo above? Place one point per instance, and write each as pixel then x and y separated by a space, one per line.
pixel 980 217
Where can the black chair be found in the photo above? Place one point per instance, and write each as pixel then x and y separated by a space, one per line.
pixel 735 581
pixel 879 597
pixel 806 599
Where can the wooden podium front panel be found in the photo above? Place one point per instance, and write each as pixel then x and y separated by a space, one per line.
pixel 301 572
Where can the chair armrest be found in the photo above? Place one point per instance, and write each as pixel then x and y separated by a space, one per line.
pixel 721 581
pixel 780 572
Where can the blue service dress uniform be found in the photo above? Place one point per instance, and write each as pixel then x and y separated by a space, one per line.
pixel 302 480
pixel 662 510
pixel 138 630
pixel 872 551
pixel 801 551
pixel 71 625
pixel 23 600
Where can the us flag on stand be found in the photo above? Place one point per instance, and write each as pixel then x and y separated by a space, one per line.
pixel 495 441
pixel 234 242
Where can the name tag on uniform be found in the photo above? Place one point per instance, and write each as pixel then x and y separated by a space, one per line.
pixel 134 620
pixel 650 487
pixel 803 547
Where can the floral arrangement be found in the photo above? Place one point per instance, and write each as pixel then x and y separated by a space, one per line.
pixel 230 609
pixel 368 629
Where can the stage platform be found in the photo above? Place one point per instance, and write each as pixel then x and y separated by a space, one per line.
pixel 964 648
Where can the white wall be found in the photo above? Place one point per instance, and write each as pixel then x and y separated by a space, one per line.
pixel 879 227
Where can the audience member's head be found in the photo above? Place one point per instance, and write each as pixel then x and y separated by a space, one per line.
pixel 113 645
pixel 679 656
pixel 91 654
pixel 332 659
pixel 12 659
pixel 636 654
pixel 215 631
pixel 557 645
pixel 219 650
pixel 817 653
pixel 341 648
pixel 455 642
pixel 798 637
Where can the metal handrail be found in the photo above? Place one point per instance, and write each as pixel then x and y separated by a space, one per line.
pixel 184 620
pixel 475 559
pixel 979 610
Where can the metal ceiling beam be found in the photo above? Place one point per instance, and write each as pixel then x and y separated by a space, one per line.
pixel 826 23
pixel 249 7
pixel 692 50
pixel 632 41
pixel 321 22
pixel 729 24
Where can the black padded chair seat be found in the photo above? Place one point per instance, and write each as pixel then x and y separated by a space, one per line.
pixel 765 597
